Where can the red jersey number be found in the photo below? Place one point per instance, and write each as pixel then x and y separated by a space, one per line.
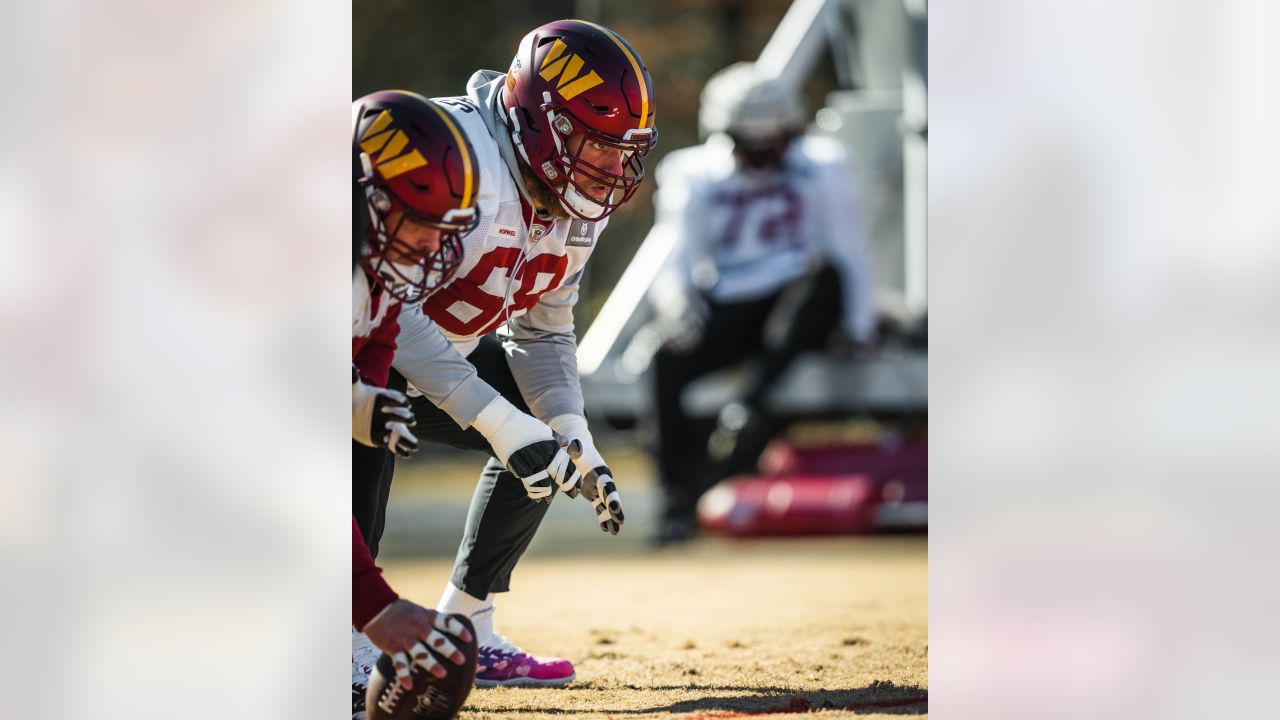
pixel 455 307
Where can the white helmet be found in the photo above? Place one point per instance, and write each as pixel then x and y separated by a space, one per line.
pixel 750 108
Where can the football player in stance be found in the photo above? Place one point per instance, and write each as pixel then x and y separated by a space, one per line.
pixel 770 257
pixel 415 181
pixel 491 355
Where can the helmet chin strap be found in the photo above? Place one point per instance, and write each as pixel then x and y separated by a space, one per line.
pixel 579 204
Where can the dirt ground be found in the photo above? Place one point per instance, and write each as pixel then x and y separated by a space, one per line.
pixel 718 629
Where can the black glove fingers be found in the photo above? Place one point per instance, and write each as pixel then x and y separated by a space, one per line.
pixel 398 413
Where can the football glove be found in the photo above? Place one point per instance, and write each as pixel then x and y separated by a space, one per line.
pixel 527 447
pixel 597 486
pixel 381 418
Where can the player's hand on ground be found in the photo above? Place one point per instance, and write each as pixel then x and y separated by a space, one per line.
pixel 528 448
pixel 597 485
pixel 405 630
pixel 381 418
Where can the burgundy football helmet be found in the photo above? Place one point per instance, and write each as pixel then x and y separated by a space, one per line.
pixel 571 76
pixel 420 170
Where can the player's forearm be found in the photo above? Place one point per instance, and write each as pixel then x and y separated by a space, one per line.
pixel 547 374
pixel 857 287
pixel 849 245
pixel 432 365
pixel 370 593
pixel 547 368
pixel 860 308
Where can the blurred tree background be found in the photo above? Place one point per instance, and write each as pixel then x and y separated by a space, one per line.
pixel 433 48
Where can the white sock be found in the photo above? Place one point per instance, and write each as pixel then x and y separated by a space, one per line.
pixel 453 600
pixel 483 622
pixel 480 611
pixel 364 655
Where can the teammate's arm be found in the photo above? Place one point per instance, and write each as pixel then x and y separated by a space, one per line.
pixel 676 293
pixel 524 444
pixel 546 370
pixel 398 627
pixel 380 417
pixel 426 358
pixel 849 250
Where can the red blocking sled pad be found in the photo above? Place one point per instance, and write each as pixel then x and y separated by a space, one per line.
pixel 826 490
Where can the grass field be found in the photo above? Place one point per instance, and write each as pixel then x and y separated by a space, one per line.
pixel 835 627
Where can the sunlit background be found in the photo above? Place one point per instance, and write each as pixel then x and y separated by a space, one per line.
pixel 860 68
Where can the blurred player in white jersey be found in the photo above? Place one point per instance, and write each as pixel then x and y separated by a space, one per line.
pixel 771 257
pixel 490 357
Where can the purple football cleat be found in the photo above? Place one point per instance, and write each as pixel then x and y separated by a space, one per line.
pixel 501 664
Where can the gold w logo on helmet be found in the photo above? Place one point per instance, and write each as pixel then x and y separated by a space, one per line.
pixel 568 67
pixel 386 148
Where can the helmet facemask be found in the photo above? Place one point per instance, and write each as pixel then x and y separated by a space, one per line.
pixel 407 271
pixel 571 177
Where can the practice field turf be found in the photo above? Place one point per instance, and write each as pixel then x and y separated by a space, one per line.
pixel 835 627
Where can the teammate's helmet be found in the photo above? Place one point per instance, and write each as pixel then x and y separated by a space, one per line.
pixel 570 76
pixel 418 169
pixel 759 113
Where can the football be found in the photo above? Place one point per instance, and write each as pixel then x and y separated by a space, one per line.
pixel 431 698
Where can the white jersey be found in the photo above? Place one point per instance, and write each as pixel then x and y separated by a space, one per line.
pixel 742 235
pixel 518 270
pixel 513 258
pixel 367 312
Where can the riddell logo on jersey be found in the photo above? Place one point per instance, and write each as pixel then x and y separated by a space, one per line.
pixel 386 148
pixel 568 67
